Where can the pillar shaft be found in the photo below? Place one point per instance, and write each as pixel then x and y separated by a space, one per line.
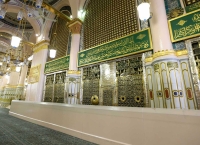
pixel 35 87
pixel 75 28
pixel 74 51
pixel 23 75
pixel 159 26
pixel 14 78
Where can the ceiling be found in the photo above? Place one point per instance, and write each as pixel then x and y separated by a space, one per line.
pixel 31 2
pixel 11 20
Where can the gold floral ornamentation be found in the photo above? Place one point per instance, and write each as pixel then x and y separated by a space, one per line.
pixel 167 52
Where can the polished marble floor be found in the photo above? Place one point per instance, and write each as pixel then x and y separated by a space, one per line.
pixel 14 131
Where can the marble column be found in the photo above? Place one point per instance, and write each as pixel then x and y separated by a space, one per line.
pixel 75 28
pixel 20 87
pixel 164 80
pixel 73 75
pixel 34 91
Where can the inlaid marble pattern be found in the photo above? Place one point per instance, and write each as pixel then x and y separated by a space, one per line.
pixel 14 131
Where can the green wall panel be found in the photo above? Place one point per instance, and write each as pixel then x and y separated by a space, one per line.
pixel 131 44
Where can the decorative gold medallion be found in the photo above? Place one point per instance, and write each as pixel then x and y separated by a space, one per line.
pixel 94 100
pixel 137 99
pixel 123 98
pixel 141 36
pixel 181 22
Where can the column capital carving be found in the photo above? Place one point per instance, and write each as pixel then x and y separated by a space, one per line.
pixel 40 46
pixel 75 26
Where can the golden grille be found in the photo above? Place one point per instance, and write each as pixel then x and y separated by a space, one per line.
pixel 106 20
pixel 189 2
pixel 61 38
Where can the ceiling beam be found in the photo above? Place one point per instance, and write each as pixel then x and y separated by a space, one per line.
pixel 56 12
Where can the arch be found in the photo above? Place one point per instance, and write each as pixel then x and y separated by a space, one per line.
pixel 48 24
pixel 34 23
pixel 11 30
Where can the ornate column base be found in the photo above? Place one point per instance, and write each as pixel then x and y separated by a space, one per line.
pixel 165 81
pixel 20 93
pixel 8 96
pixel 73 82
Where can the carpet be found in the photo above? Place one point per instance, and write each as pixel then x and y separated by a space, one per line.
pixel 14 131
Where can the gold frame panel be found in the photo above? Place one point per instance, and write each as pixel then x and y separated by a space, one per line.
pixel 150 39
pixel 170 28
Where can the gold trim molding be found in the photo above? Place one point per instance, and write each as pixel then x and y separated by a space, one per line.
pixel 163 53
pixel 166 52
pixel 74 72
pixel 10 86
pixel 20 85
pixel 40 46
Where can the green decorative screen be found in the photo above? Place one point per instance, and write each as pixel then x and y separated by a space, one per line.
pixel 57 65
pixel 185 27
pixel 131 44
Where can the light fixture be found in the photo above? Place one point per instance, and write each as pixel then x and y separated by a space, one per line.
pixel 18 68
pixel 38 3
pixel 15 41
pixel 7 76
pixel 30 58
pixel 144 11
pixel 30 11
pixel 1 63
pixel 2 13
pixel 71 16
pixel 81 14
pixel 36 35
pixel 20 15
pixel 52 53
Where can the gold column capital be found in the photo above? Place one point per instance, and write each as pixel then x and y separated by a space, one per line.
pixel 40 46
pixel 75 26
